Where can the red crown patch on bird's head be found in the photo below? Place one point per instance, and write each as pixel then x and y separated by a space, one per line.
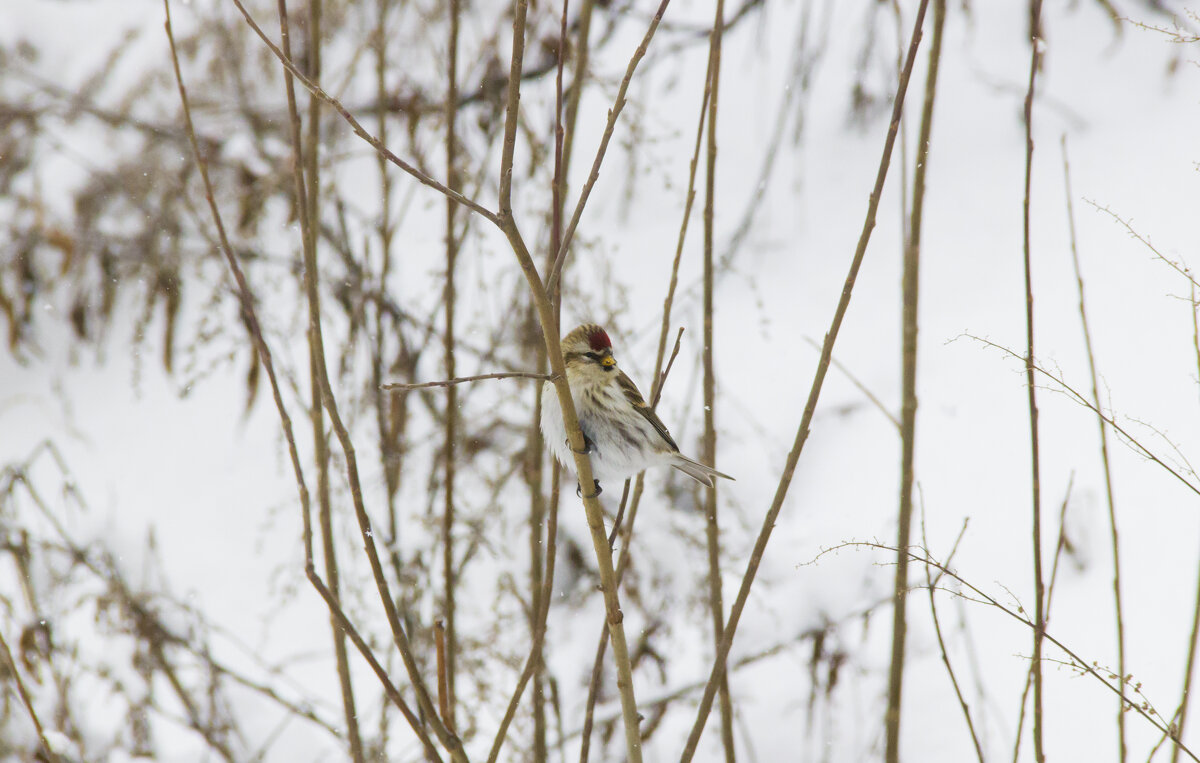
pixel 598 339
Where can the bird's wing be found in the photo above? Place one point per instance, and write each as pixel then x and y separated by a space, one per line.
pixel 635 399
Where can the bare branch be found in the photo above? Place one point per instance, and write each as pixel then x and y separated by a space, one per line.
pixel 397 386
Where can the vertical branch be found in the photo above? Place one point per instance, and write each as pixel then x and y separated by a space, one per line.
pixel 561 160
pixel 689 200
pixel 451 434
pixel 1181 713
pixel 537 520
pixel 712 531
pixel 602 645
pixel 1035 40
pixel 1108 489
pixel 310 180
pixel 390 407
pixel 814 394
pixel 539 609
pixel 516 67
pixel 582 49
pixel 443 681
pixel 908 410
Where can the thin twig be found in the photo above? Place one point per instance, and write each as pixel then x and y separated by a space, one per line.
pixel 264 354
pixel 785 479
pixel 602 644
pixel 399 387
pixel 1087 403
pixel 245 296
pixel 1108 486
pixel 661 378
pixel 515 66
pixel 931 587
pixel 616 527
pixel 1179 268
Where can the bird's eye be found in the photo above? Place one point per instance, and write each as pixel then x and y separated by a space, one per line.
pixel 592 356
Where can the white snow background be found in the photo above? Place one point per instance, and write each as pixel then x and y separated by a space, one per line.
pixel 187 467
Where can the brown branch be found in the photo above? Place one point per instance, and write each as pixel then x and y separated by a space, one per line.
pixel 908 408
pixel 443 681
pixel 400 387
pixel 511 111
pixel 660 379
pixel 448 347
pixel 1035 43
pixel 582 47
pixel 602 644
pixel 305 178
pixel 712 531
pixel 690 197
pixel 814 395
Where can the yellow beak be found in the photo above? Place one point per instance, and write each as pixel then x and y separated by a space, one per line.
pixel 608 361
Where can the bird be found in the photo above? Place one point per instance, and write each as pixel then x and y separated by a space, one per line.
pixel 622 434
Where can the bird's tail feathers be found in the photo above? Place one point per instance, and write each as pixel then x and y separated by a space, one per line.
pixel 698 471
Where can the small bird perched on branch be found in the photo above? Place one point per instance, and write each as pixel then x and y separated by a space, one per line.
pixel 622 434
